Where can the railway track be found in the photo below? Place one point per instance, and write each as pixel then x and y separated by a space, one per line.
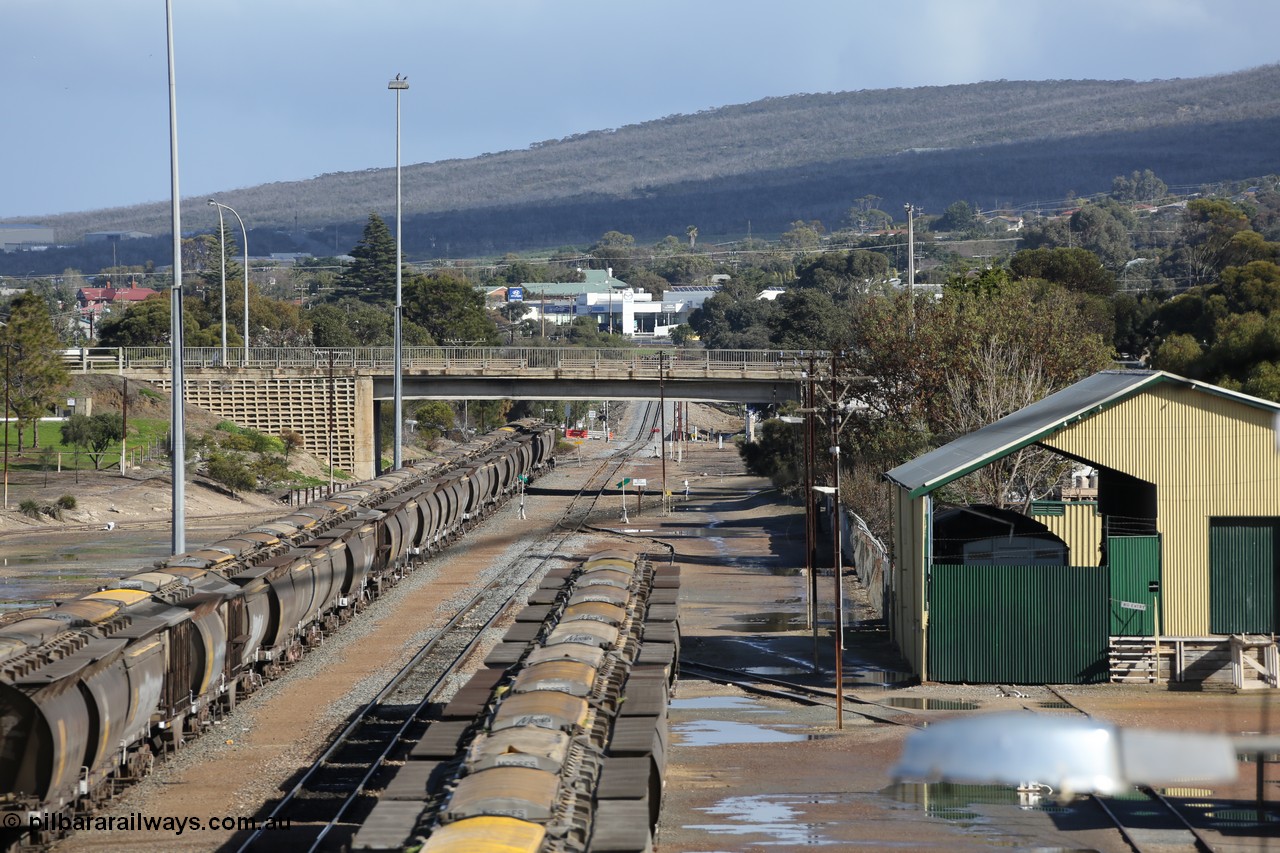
pixel 333 795
pixel 1147 820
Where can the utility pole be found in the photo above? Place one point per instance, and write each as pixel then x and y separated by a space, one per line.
pixel 7 347
pixel 835 535
pixel 911 264
pixel 810 521
pixel 332 418
pixel 662 425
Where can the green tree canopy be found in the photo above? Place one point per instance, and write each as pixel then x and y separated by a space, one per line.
pixel 614 250
pixel 959 216
pixel 371 277
pixel 842 275
pixel 1141 186
pixel 36 371
pixel 94 434
pixel 435 418
pixel 1075 269
pixel 449 308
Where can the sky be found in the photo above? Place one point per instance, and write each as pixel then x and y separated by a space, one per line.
pixel 282 90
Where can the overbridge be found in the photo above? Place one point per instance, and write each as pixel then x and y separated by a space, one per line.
pixel 336 393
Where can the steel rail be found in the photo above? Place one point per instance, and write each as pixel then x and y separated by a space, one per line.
pixel 573 519
pixel 393 742
pixel 803 693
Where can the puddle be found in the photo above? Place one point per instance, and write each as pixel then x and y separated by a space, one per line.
pixel 1228 818
pixel 957 802
pixel 766 815
pixel 780 670
pixel 722 732
pixel 721 703
pixel 80 561
pixel 877 677
pixel 774 622
pixel 922 704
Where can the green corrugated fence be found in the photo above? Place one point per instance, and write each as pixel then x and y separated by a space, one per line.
pixel 1018 624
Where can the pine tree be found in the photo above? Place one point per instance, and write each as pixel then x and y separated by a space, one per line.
pixel 371 277
pixel 37 374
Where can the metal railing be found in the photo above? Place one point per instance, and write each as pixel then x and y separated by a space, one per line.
pixel 636 362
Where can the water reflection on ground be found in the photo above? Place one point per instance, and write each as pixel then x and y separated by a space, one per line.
pixel 770 815
pixel 47 565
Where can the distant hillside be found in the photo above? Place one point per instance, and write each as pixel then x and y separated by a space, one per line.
pixel 776 160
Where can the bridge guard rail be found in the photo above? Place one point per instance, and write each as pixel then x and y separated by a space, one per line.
pixel 638 362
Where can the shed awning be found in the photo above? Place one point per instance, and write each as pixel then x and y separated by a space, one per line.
pixel 1041 419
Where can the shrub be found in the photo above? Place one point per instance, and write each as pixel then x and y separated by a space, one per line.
pixel 67 502
pixel 231 472
pixel 291 440
pixel 30 508
pixel 270 469
pixel 52 511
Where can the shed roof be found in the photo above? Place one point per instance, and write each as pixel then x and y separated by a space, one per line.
pixel 1041 419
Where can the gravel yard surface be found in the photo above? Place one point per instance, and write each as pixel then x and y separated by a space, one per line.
pixel 745 772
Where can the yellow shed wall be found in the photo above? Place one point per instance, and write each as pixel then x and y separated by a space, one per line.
pixel 1209 456
pixel 1080 526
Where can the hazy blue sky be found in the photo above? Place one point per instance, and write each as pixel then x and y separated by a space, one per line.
pixel 272 90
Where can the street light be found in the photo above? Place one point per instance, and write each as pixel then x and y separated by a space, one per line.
pixel 222 243
pixel 398 85
pixel 244 240
pixel 177 420
pixel 7 347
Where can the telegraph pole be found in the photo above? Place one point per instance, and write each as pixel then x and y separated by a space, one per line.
pixel 662 425
pixel 911 263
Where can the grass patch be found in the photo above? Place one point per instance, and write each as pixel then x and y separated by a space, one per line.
pixel 141 431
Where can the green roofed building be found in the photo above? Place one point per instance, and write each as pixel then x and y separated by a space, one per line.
pixel 1181 583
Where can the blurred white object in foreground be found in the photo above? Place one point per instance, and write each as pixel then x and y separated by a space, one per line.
pixel 1070 755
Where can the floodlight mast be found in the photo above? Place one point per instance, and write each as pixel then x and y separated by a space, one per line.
pixel 398 85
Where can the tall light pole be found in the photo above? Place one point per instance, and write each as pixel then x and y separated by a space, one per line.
pixel 177 422
pixel 244 244
pixel 222 244
pixel 398 85
pixel 7 346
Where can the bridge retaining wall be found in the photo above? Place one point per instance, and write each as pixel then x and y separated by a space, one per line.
pixel 270 403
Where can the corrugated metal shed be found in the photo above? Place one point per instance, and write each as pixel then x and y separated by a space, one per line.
pixel 1191 452
pixel 1207 454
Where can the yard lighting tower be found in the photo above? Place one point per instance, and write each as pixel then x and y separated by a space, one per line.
pixel 398 85
pixel 244 241
pixel 177 422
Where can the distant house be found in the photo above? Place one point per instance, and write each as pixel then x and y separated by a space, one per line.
pixel 96 302
pixel 1009 223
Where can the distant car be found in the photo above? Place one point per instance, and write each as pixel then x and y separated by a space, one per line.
pixel 653 431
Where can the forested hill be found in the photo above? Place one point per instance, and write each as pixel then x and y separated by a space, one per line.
pixel 762 165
